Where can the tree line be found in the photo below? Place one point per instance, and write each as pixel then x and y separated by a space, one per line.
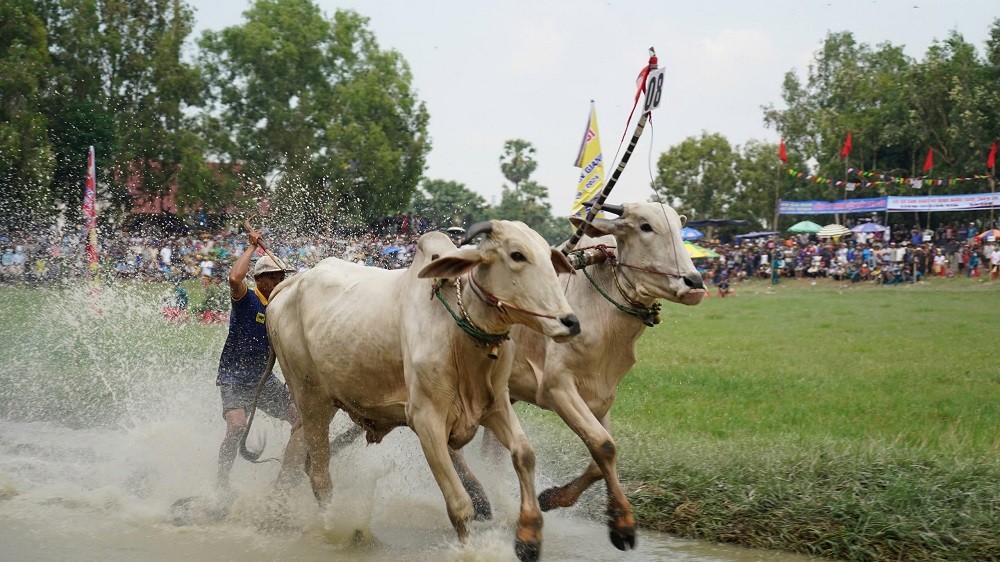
pixel 896 107
pixel 307 111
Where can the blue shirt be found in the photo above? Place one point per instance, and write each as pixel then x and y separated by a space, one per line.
pixel 244 357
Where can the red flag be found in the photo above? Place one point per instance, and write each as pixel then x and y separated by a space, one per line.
pixel 90 210
pixel 929 162
pixel 782 155
pixel 991 160
pixel 847 147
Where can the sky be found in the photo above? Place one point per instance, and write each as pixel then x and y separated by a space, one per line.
pixel 490 71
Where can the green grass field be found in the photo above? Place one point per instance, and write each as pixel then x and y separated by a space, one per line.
pixel 858 422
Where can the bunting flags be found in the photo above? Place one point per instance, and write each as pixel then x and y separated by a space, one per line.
pixel 90 211
pixel 991 159
pixel 875 179
pixel 847 147
pixel 929 161
pixel 782 155
pixel 590 160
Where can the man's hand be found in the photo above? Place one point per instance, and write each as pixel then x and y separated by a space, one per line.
pixel 255 236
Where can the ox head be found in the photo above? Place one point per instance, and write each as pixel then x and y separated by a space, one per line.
pixel 649 239
pixel 515 264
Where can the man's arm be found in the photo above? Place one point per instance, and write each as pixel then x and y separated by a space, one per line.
pixel 237 275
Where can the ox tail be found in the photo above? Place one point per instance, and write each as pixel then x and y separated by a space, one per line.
pixel 244 452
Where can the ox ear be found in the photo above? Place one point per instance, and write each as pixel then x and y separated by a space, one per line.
pixel 452 265
pixel 684 219
pixel 598 227
pixel 561 263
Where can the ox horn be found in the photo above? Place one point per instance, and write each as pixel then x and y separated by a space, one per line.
pixel 484 227
pixel 608 207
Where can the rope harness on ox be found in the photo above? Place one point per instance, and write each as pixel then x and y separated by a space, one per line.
pixel 485 339
pixel 650 315
pixel 492 342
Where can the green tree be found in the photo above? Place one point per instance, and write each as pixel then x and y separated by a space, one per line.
pixel 120 84
pixel 527 201
pixel 319 117
pixel 530 205
pixel 895 107
pixel 448 203
pixel 698 176
pixel 517 162
pixel 758 183
pixel 26 156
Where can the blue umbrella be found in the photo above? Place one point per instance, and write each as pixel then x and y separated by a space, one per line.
pixel 690 234
pixel 391 250
pixel 869 227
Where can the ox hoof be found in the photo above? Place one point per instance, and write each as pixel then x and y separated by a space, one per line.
pixel 548 499
pixel 623 540
pixel 483 510
pixel 527 551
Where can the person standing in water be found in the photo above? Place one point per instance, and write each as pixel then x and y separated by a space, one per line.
pixel 245 354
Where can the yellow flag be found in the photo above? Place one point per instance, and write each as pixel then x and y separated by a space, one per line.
pixel 590 160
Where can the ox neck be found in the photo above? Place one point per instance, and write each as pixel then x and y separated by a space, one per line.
pixel 608 279
pixel 477 319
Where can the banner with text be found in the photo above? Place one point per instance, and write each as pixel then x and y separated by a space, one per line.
pixel 869 205
pixel 892 204
pixel 969 202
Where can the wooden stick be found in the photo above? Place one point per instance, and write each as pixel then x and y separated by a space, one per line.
pixel 281 264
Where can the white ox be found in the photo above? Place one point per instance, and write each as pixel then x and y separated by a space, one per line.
pixel 376 344
pixel 577 379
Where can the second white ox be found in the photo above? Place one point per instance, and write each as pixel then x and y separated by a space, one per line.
pixel 379 345
pixel 578 379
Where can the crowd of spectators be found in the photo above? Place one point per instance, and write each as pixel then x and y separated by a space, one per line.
pixel 899 255
pixel 40 257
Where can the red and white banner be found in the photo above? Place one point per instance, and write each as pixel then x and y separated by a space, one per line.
pixel 90 210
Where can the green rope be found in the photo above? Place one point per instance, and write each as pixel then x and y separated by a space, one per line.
pixel 649 316
pixel 469 328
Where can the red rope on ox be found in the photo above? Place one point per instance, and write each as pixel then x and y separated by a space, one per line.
pixel 492 300
pixel 651 270
pixel 609 251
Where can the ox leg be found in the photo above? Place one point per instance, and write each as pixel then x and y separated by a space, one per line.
pixel 507 428
pixel 316 433
pixel 566 496
pixel 480 502
pixel 574 411
pixel 430 429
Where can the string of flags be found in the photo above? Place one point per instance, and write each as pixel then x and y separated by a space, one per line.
pixel 875 179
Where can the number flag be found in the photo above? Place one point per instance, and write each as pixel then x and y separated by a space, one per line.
pixel 590 160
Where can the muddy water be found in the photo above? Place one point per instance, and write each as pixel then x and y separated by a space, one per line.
pixel 107 420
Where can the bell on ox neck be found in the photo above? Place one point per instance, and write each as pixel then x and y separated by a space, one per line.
pixel 493 351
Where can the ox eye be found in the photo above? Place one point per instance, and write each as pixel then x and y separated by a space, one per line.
pixel 645 227
pixel 518 256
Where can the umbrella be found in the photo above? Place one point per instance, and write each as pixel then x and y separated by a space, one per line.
pixel 868 227
pixel 752 235
pixel 833 230
pixel 455 230
pixel 690 233
pixel 391 250
pixel 987 234
pixel 696 251
pixel 807 227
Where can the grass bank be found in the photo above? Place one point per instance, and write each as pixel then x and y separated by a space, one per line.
pixel 855 422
